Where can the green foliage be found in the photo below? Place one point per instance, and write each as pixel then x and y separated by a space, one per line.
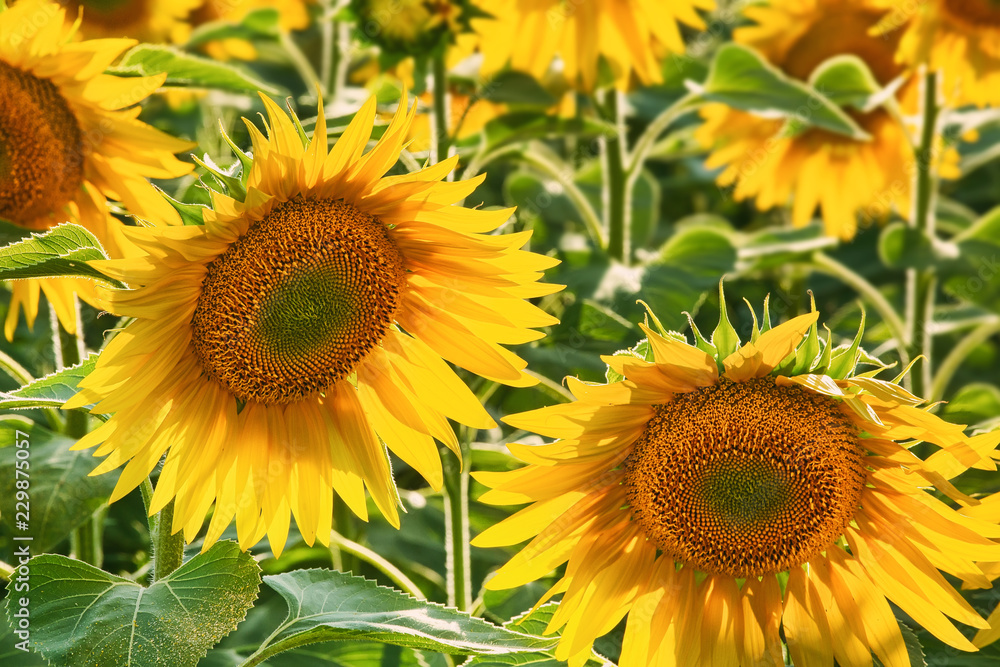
pixel 62 493
pixel 61 252
pixel 188 71
pixel 50 391
pixel 325 605
pixel 83 615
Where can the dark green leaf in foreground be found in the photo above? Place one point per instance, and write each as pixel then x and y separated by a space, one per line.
pixel 50 391
pixel 62 495
pixel 61 251
pixel 847 81
pixel 184 69
pixel 84 616
pixel 324 605
pixel 532 623
pixel 741 78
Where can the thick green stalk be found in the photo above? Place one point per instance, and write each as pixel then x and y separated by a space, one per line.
pixel 456 523
pixel 168 550
pixel 921 284
pixel 441 108
pixel 345 527
pixel 618 210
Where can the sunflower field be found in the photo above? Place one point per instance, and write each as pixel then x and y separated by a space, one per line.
pixel 499 333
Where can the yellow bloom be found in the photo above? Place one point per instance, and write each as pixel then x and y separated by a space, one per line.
pixel 69 138
pixel 682 494
pixel 408 24
pixel 292 15
pixel 278 345
pixel 527 34
pixel 958 38
pixel 155 21
pixel 843 176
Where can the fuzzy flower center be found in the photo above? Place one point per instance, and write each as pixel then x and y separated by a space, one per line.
pixel 41 149
pixel 746 478
pixel 296 303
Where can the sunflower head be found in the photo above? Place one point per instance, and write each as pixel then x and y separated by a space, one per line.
pixel 411 27
pixel 720 491
pixel 279 348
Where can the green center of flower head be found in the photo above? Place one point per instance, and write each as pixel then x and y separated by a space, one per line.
pixel 41 149
pixel 298 301
pixel 745 478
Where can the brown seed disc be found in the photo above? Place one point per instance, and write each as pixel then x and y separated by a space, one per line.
pixel 745 478
pixel 41 149
pixel 298 301
pixel 975 12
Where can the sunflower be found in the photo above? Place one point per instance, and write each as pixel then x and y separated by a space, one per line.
pixel 277 346
pixel 156 21
pixel 626 33
pixel 841 175
pixel 717 493
pixel 69 139
pixel 958 38
pixel 409 26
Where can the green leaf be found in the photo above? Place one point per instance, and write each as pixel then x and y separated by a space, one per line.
pixel 687 266
pixel 50 391
pixel 771 248
pixel 511 87
pixel 913 650
pixel 524 125
pixel 259 24
pixel 847 81
pixel 325 605
pixel 901 246
pixel 186 70
pixel 191 214
pixel 61 251
pixel 741 78
pixel 81 615
pixel 972 404
pixel 62 495
pixel 532 623
pixel 13 648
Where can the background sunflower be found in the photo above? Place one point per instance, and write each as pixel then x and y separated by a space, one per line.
pixel 70 138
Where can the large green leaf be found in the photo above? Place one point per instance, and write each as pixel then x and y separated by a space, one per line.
pixel 50 391
pixel 61 494
pixel 258 24
pixel 186 70
pixel 521 126
pixel 688 265
pixel 847 81
pixel 741 78
pixel 81 615
pixel 61 251
pixel 324 605
pixel 532 623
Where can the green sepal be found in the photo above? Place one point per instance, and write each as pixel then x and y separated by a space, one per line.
pixel 652 316
pixel 766 325
pixel 700 341
pixel 229 183
pixel 191 214
pixel 756 329
pixel 826 356
pixel 805 355
pixel 724 338
pixel 642 350
pixel 246 160
pixel 298 125
pixel 843 363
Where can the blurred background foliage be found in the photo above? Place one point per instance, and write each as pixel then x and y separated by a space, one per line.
pixel 543 148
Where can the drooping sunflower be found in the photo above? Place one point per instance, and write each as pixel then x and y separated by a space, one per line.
pixel 69 140
pixel 627 34
pixel 155 21
pixel 277 346
pixel 842 176
pixel 716 494
pixel 958 38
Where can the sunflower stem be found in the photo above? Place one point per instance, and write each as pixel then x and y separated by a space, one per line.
pixel 869 293
pixel 168 549
pixel 618 211
pixel 950 364
pixel 343 523
pixel 379 563
pixel 456 523
pixel 441 141
pixel 921 284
